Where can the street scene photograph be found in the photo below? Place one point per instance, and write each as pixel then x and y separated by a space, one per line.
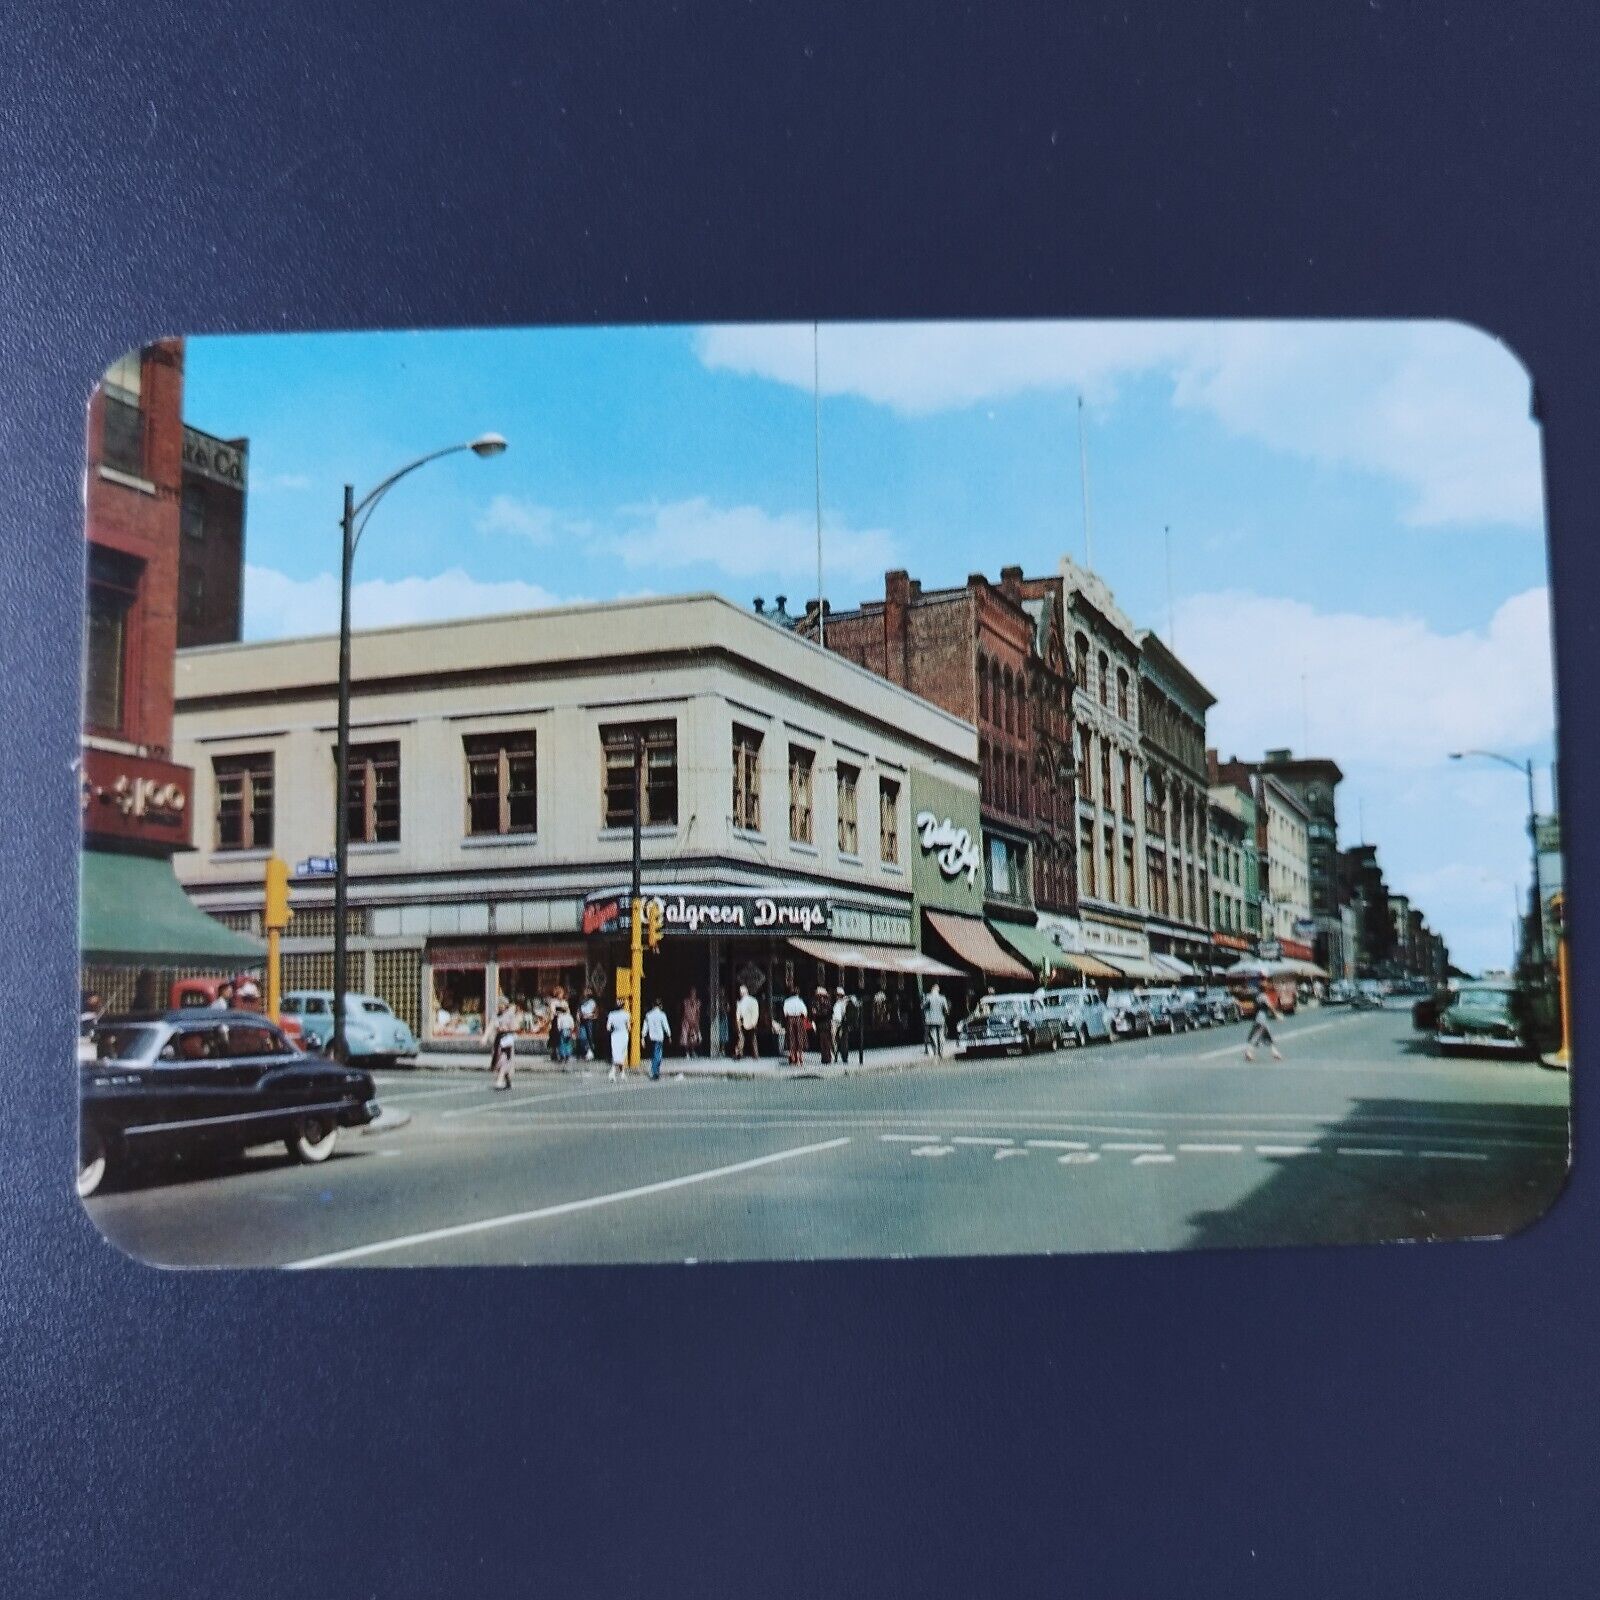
pixel 813 791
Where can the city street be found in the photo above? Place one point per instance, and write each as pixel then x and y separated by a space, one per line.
pixel 1360 1134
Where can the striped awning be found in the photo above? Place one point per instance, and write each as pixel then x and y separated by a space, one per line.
pixel 875 957
pixel 1135 967
pixel 974 944
pixel 1045 956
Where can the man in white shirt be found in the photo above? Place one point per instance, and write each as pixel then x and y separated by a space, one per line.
pixel 657 1030
pixel 796 1019
pixel 935 1009
pixel 747 1018
pixel 620 1027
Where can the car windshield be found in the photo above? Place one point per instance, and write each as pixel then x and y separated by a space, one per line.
pixel 126 1043
pixel 1488 999
pixel 992 1003
pixel 375 1005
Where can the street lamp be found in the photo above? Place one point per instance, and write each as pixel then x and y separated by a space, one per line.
pixel 485 445
pixel 1526 768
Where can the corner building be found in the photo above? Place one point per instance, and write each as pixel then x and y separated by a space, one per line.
pixel 491 807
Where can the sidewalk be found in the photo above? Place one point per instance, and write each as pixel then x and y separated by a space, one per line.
pixel 893 1058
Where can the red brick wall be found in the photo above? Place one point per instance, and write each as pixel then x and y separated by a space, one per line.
pixel 142 522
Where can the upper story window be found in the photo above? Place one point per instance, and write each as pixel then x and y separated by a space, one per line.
pixel 1105 678
pixel 1085 767
pixel 1080 658
pixel 502 783
pixel 747 779
pixel 372 793
pixel 801 801
pixel 113 588
pixel 122 415
pixel 192 511
pixel 849 822
pixel 659 741
pixel 1122 693
pixel 244 801
pixel 888 821
pixel 985 699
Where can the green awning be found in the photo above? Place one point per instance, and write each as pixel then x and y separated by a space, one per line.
pixel 1046 957
pixel 133 912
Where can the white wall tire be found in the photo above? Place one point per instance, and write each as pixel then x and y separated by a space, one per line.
pixel 92 1162
pixel 312 1141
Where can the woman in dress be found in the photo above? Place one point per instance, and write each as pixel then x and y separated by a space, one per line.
pixel 689 1024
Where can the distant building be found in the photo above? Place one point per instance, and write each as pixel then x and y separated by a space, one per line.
pixel 1315 781
pixel 1361 884
pixel 1235 908
pixel 211 542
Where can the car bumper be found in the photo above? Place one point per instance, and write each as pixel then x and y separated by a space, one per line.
pixel 1479 1041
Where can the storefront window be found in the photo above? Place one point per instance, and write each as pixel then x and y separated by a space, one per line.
pixel 458 1002
pixel 532 989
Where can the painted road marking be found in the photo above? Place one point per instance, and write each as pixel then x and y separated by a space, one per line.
pixel 1452 1155
pixel 1140 1161
pixel 1078 1157
pixel 933 1150
pixel 1058 1144
pixel 497 1108
pixel 564 1208
pixel 1005 1155
pixel 1286 1034
pixel 1357 1150
pixel 1151 1148
pixel 398 1092
pixel 974 1138
pixel 1212 1149
pixel 907 1138
pixel 1286 1150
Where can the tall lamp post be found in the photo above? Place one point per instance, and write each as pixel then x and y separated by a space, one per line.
pixel 1526 768
pixel 357 513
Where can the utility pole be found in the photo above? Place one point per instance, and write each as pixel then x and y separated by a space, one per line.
pixel 636 907
pixel 341 800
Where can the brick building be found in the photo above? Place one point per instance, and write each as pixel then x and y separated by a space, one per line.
pixel 137 802
pixel 211 542
pixel 1315 782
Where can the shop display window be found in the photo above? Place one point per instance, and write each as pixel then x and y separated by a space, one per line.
pixel 458 1002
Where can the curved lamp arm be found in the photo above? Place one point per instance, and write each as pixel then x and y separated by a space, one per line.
pixel 488 444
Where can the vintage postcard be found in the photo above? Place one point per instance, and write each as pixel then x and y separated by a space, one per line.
pixel 785 792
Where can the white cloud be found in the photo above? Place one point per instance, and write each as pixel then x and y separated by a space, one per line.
pixel 1439 409
pixel 278 606
pixel 1387 691
pixel 748 542
pixel 274 482
pixel 507 514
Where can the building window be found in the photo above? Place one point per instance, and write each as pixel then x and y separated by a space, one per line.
pixel 1122 693
pixel 849 831
pixel 1080 652
pixel 372 793
pixel 192 511
pixel 244 801
pixel 122 415
pixel 801 763
pixel 113 587
pixel 888 821
pixel 747 779
pixel 660 743
pixel 1085 766
pixel 1127 872
pixel 502 772
pixel 1105 678
pixel 1127 785
pixel 1106 791
pixel 194 594
pixel 1086 872
pixel 985 703
pixel 1008 869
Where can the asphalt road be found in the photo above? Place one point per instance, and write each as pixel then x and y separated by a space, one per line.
pixel 1360 1134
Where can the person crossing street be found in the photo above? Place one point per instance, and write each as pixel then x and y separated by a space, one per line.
pixel 1261 1027
pixel 657 1030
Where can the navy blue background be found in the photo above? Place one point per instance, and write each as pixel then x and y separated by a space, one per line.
pixel 1379 1421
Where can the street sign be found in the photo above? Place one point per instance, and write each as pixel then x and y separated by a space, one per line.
pixel 316 867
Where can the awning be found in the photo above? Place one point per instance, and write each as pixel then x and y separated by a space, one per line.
pixel 1135 967
pixel 974 944
pixel 1179 969
pixel 875 957
pixel 1045 956
pixel 133 913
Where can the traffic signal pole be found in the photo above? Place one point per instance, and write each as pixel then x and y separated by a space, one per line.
pixel 636 908
pixel 275 918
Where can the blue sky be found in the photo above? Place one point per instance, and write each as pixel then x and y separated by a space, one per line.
pixel 1355 511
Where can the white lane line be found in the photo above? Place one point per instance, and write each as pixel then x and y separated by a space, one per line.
pixel 1285 1036
pixel 1150 1148
pixel 974 1138
pixel 1286 1150
pixel 900 1138
pixel 1058 1144
pixel 1361 1150
pixel 1005 1155
pixel 1144 1160
pixel 498 1108
pixel 565 1208
pixel 1075 1158
pixel 933 1150
pixel 1212 1149
pixel 428 1094
pixel 1452 1155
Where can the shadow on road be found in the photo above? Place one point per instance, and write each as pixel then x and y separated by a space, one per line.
pixel 155 1172
pixel 1340 1193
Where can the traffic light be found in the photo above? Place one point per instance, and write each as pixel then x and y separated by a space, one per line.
pixel 652 924
pixel 276 912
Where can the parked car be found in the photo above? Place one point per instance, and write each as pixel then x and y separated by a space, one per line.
pixel 179 1082
pixel 1339 992
pixel 1196 1008
pixel 1425 1013
pixel 1009 1024
pixel 1128 1012
pixel 1480 1016
pixel 1080 1015
pixel 1168 1013
pixel 1224 1008
pixel 371 1030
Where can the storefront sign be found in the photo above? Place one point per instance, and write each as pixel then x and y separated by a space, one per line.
pixel 1230 941
pixel 730 912
pixel 1104 938
pixel 871 927
pixel 136 798
pixel 956 851
pixel 214 458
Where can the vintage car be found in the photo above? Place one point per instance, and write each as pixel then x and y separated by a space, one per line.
pixel 180 1082
pixel 1480 1015
pixel 1222 1005
pixel 371 1029
pixel 242 993
pixel 1196 1008
pixel 1080 1015
pixel 1128 1012
pixel 1168 1012
pixel 1007 1023
pixel 1425 1012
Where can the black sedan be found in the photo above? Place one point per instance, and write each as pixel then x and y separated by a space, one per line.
pixel 189 1081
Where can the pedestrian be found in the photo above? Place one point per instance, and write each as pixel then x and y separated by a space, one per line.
pixel 503 1046
pixel 855 1022
pixel 563 1028
pixel 619 1025
pixel 588 1016
pixel 822 1023
pixel 747 1019
pixel 689 1035
pixel 657 1030
pixel 841 1043
pixel 935 1008
pixel 1261 1026
pixel 796 1020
